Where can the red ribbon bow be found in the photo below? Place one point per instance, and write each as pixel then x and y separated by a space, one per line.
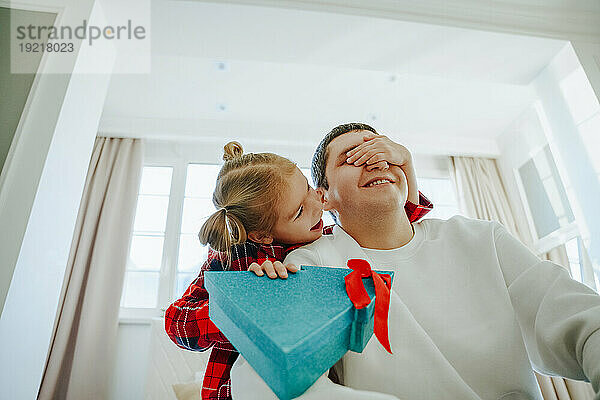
pixel 360 298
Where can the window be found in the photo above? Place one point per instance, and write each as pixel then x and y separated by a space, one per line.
pixel 579 95
pixel 197 206
pixel 550 215
pixel 442 194
pixel 579 263
pixel 545 194
pixel 145 255
pixel 173 203
pixel 585 110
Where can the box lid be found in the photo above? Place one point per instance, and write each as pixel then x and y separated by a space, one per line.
pixel 290 321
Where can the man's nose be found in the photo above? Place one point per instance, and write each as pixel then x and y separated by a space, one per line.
pixel 382 165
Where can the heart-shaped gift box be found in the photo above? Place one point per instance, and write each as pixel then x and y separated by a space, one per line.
pixel 290 330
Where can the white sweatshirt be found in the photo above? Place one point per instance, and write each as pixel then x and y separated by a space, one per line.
pixel 470 308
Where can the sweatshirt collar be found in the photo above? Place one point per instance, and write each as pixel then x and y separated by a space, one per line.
pixel 356 251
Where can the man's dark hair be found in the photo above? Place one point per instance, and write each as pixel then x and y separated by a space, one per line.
pixel 319 161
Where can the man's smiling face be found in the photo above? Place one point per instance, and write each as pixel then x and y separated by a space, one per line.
pixel 362 189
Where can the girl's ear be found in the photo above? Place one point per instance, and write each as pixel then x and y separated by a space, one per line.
pixel 259 237
pixel 324 199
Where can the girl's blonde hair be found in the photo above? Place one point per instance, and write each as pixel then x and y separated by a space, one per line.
pixel 246 196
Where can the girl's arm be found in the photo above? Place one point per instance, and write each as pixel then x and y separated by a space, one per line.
pixel 186 320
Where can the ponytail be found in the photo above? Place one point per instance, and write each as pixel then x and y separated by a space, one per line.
pixel 222 230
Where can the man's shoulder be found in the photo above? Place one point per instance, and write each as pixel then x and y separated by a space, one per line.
pixel 312 251
pixel 457 225
pixel 319 244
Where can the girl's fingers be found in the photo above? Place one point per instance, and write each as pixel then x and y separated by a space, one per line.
pixel 254 267
pixel 273 269
pixel 354 152
pixel 379 165
pixel 357 155
pixel 292 268
pixel 281 271
pixel 370 136
pixel 366 156
pixel 267 266
pixel 376 158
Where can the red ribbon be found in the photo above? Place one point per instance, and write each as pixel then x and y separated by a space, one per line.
pixel 360 298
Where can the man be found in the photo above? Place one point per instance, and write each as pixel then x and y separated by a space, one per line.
pixel 471 308
pixel 464 289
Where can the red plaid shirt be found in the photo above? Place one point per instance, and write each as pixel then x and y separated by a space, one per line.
pixel 187 322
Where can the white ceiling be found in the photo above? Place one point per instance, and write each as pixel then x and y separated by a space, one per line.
pixel 270 74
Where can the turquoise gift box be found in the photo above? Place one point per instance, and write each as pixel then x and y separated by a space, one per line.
pixel 292 330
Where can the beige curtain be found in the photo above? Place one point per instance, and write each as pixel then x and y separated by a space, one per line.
pixel 482 195
pixel 481 192
pixel 82 348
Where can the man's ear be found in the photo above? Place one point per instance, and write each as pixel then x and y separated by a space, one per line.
pixel 259 237
pixel 324 198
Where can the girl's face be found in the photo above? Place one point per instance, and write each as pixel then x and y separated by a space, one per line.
pixel 299 213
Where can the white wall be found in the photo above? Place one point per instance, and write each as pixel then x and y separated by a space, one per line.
pixel 521 139
pixel 567 146
pixel 549 121
pixel 40 193
pixel 131 362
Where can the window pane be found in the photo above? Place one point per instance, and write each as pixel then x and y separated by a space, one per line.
pixel 195 212
pixel 555 190
pixel 547 199
pixel 442 212
pixel 590 134
pixel 439 190
pixel 146 252
pixel 183 281
pixel 544 218
pixel 572 247
pixel 580 96
pixel 200 180
pixel 156 180
pixel 140 289
pixel 151 214
pixel 306 173
pixel 191 253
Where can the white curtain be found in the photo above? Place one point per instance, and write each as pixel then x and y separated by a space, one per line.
pixel 82 349
pixel 482 195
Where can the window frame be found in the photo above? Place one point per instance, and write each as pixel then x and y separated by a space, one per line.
pixel 145 314
pixel 561 235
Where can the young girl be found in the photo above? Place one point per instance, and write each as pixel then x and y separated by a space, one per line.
pixel 265 209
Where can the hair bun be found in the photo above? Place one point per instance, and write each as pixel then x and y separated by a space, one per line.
pixel 232 150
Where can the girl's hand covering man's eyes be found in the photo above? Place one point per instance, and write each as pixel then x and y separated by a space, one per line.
pixel 273 269
pixel 378 148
